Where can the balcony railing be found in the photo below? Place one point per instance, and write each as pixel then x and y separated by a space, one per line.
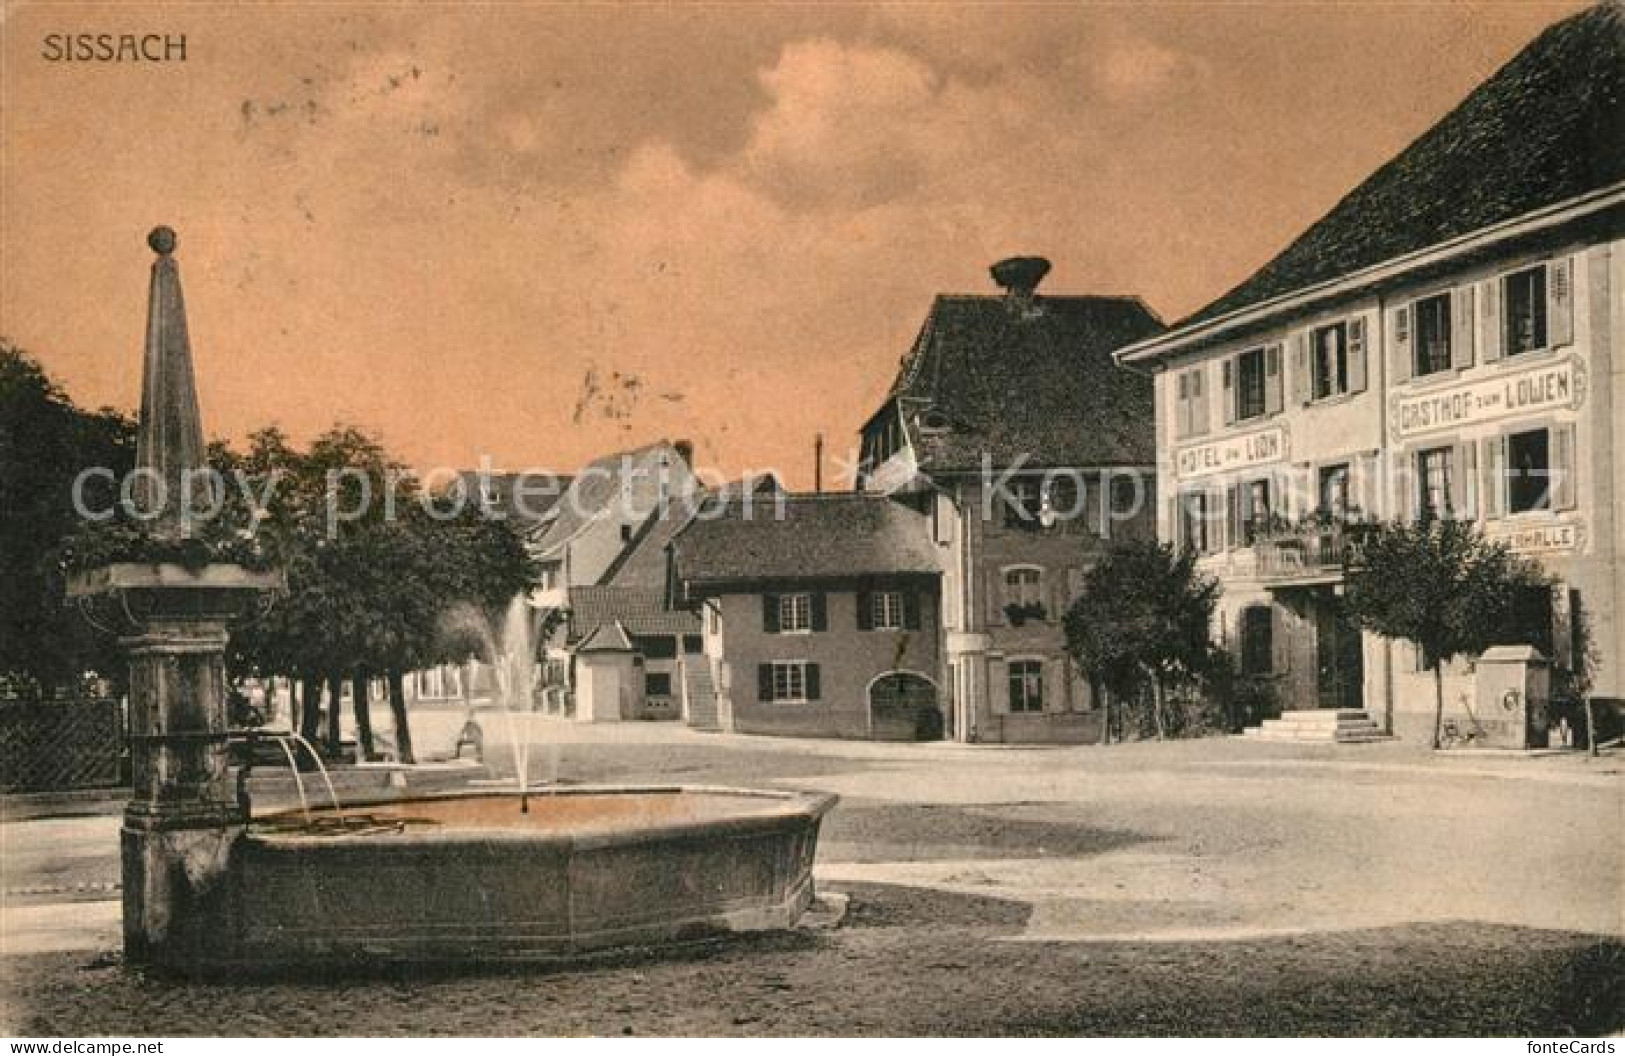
pixel 1306 551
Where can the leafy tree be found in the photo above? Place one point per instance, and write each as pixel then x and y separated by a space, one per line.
pixel 45 441
pixel 1143 619
pixel 1440 584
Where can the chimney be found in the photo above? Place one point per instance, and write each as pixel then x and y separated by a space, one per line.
pixel 1020 277
pixel 818 463
pixel 685 451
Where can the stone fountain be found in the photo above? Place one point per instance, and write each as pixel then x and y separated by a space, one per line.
pixel 462 878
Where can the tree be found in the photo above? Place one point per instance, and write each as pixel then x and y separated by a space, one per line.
pixel 45 441
pixel 1440 584
pixel 1143 618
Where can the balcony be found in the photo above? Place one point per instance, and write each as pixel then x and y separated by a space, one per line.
pixel 1305 554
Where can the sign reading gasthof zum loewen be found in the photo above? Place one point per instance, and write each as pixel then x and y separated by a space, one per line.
pixel 1549 387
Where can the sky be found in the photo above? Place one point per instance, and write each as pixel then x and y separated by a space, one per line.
pixel 538 233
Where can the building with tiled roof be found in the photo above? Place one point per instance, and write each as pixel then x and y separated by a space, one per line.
pixel 1028 451
pixel 1447 339
pixel 820 615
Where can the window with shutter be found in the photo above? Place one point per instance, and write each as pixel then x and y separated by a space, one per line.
pixel 1564 468
pixel 1274 380
pixel 1435 490
pixel 1529 471
pixel 1356 354
pixel 1560 303
pixel 1464 325
pixel 1401 357
pixel 1252 384
pixel 1434 325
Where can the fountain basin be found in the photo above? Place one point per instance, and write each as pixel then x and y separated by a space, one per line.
pixel 465 878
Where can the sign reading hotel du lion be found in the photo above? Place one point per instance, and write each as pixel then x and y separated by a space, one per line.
pixel 1232 452
pixel 1554 386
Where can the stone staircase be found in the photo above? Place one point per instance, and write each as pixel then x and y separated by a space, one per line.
pixel 699 696
pixel 1327 726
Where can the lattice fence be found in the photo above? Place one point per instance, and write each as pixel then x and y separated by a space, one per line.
pixel 56 745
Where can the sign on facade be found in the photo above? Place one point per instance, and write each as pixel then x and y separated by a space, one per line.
pixel 1555 386
pixel 1235 452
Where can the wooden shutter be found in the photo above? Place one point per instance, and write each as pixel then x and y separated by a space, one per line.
pixel 1412 499
pixel 1399 344
pixel 1303 389
pixel 764 681
pixel 995 597
pixel 820 612
pixel 1356 354
pixel 1232 515
pixel 1182 405
pixel 1198 400
pixel 1462 325
pixel 1465 476
pixel 911 610
pixel 813 687
pixel 1494 462
pixel 1489 298
pixel 866 612
pixel 1560 303
pixel 1273 380
pixel 770 613
pixel 1562 467
pixel 1227 391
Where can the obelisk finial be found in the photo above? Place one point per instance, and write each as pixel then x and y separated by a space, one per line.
pixel 169 442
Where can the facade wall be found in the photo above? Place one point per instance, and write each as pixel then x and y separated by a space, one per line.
pixel 849 660
pixel 983 639
pixel 1570 389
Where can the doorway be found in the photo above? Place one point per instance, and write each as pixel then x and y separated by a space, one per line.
pixel 1340 657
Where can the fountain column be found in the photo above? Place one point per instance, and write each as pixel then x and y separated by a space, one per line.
pixel 184 820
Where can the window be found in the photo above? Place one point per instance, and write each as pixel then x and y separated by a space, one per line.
pixel 1433 482
pixel 656 646
pixel 693 643
pixel 1024 587
pixel 886 610
pixel 1193 514
pixel 1255 516
pixel 626 533
pixel 1257 640
pixel 790 680
pixel 1332 490
pixel 1524 322
pixel 1021 504
pixel 1191 411
pixel 795 612
pixel 1529 471
pixel 1250 384
pixel 1329 363
pixel 1026 685
pixel 1432 335
pixel 657 685
pixel 1125 497
pixel 1063 497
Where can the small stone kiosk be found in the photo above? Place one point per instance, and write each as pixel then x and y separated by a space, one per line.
pixel 184 820
pixel 1512 689
pixel 608 683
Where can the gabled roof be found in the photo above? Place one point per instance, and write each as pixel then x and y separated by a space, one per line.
pixel 643 562
pixel 527 499
pixel 1548 127
pixel 607 638
pixel 1030 380
pixel 804 537
pixel 640 610
pixel 593 491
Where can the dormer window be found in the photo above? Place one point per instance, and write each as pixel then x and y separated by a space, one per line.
pixel 931 420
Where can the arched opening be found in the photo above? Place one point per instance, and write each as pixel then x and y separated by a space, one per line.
pixel 903 707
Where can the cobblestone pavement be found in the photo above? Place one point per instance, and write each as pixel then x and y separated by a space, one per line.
pixel 1209 888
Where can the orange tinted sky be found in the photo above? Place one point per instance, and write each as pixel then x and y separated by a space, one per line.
pixel 545 232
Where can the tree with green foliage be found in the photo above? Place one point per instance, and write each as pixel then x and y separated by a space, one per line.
pixel 1439 584
pixel 45 442
pixel 1143 620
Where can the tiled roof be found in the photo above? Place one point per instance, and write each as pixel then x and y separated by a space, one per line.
pixel 528 507
pixel 1549 126
pixel 595 488
pixel 1033 382
pixel 640 609
pixel 815 537
pixel 643 562
pixel 607 638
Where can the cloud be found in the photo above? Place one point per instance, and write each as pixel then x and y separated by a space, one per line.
pixel 1135 69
